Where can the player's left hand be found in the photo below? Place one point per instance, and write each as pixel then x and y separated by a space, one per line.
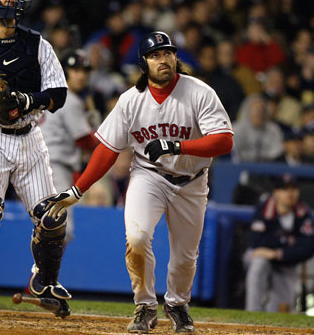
pixel 63 200
pixel 9 112
pixel 157 148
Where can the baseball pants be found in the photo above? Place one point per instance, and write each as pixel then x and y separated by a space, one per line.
pixel 149 196
pixel 270 286
pixel 24 161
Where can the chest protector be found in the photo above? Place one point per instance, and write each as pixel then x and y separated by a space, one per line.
pixel 19 64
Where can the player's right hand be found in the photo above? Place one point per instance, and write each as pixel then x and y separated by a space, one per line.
pixel 63 200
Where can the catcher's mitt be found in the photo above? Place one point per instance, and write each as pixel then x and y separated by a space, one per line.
pixel 9 111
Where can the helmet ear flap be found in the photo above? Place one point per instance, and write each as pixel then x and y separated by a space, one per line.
pixel 143 64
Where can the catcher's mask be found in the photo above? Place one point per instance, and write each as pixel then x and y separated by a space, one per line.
pixel 153 41
pixel 12 9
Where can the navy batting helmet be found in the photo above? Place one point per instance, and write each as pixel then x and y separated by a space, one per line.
pixel 76 59
pixel 153 41
pixel 13 9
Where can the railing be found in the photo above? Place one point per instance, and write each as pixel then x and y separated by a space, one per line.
pixel 226 175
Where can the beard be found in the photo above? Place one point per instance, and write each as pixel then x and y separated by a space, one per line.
pixel 161 78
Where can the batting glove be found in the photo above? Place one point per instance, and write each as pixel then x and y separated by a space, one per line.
pixel 157 148
pixel 63 200
pixel 24 101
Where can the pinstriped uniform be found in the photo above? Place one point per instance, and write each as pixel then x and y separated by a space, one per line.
pixel 24 159
pixel 52 76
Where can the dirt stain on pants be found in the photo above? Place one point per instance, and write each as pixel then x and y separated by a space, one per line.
pixel 136 267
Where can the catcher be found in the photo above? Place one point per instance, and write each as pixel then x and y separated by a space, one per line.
pixel 32 80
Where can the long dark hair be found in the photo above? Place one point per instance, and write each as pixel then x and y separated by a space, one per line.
pixel 142 81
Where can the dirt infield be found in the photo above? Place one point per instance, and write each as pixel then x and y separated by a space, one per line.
pixel 30 323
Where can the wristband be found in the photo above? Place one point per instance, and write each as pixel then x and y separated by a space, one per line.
pixel 177 148
pixel 76 192
pixel 40 100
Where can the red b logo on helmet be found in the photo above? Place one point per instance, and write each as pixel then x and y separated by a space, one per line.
pixel 159 38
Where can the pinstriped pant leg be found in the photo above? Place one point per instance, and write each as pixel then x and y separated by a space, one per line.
pixel 8 148
pixel 32 179
pixel 5 176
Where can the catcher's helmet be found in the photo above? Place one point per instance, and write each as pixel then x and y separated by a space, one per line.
pixel 13 9
pixel 153 41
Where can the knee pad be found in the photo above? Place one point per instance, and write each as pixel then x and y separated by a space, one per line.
pixel 43 220
pixel 46 227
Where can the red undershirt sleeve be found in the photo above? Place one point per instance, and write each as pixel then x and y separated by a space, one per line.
pixel 208 146
pixel 100 162
pixel 88 142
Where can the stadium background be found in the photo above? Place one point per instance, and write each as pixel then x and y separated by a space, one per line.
pixel 109 32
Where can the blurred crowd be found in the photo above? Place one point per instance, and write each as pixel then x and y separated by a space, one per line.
pixel 257 54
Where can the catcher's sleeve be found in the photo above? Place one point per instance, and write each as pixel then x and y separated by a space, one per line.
pixel 100 162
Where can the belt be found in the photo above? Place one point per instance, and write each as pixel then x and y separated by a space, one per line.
pixel 17 131
pixel 181 180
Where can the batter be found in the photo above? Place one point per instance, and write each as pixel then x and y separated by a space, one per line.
pixel 175 124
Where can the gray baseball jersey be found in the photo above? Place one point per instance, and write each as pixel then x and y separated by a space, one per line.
pixel 63 128
pixel 192 110
pixel 189 112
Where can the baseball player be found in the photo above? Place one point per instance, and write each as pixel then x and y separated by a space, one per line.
pixel 281 237
pixel 32 81
pixel 68 132
pixel 175 124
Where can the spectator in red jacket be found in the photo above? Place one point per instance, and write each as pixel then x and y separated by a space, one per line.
pixel 260 52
